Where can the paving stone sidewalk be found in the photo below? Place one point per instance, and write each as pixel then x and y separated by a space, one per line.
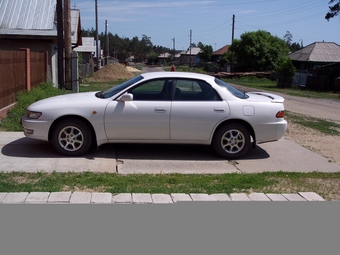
pixel 145 198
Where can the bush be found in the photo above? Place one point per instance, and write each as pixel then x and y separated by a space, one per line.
pixel 24 99
pixel 285 67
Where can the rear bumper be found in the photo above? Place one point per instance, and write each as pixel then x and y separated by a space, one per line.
pixel 271 132
pixel 281 129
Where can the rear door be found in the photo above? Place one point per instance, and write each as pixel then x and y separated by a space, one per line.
pixel 196 110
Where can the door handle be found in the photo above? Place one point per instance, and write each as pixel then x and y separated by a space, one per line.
pixel 219 109
pixel 161 110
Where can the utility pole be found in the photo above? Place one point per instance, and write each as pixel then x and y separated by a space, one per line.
pixel 106 43
pixel 173 47
pixel 60 42
pixel 233 29
pixel 190 49
pixel 67 43
pixel 232 39
pixel 97 50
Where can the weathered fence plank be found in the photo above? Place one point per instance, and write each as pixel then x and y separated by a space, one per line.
pixel 16 71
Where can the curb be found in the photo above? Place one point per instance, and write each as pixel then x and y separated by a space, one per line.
pixel 145 198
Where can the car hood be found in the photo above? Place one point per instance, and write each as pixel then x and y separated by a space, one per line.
pixel 74 97
pixel 264 97
pixel 69 101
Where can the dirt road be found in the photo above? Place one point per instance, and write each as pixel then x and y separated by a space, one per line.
pixel 319 108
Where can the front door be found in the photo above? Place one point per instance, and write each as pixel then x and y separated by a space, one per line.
pixel 144 118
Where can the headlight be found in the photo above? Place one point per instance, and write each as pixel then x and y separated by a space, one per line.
pixel 33 115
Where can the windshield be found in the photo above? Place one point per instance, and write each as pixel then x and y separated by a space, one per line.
pixel 231 89
pixel 114 90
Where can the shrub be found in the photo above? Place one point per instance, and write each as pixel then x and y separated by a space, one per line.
pixel 24 99
pixel 285 67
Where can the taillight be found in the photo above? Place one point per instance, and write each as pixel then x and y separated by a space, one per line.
pixel 280 114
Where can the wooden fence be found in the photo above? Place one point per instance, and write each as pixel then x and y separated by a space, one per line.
pixel 19 71
pixel 38 68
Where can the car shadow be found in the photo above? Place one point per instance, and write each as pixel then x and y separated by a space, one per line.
pixel 176 152
pixel 25 147
pixel 31 148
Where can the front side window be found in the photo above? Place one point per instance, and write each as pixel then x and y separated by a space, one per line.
pixel 154 90
pixel 114 90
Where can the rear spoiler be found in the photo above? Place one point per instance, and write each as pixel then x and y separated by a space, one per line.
pixel 275 98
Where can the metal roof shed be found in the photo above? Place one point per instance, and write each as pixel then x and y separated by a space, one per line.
pixel 316 54
pixel 27 14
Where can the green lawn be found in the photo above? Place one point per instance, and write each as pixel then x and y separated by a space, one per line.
pixel 279 182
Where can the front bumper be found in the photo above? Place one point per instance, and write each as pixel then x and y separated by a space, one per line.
pixel 35 128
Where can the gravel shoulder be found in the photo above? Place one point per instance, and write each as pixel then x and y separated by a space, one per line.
pixel 328 109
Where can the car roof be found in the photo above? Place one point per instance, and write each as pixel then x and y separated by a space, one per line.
pixel 153 75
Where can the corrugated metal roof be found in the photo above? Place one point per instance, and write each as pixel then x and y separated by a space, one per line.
pixel 328 52
pixel 164 55
pixel 194 51
pixel 27 14
pixel 221 50
pixel 89 45
pixel 75 24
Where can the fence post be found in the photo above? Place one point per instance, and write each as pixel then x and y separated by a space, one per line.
pixel 28 67
pixel 46 65
pixel 74 72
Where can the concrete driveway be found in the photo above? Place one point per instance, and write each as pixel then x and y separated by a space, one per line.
pixel 19 153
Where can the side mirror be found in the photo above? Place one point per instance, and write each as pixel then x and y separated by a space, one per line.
pixel 126 97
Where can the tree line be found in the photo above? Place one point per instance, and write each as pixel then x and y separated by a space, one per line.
pixel 122 47
pixel 254 51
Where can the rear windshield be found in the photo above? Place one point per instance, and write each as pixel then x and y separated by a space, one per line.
pixel 231 89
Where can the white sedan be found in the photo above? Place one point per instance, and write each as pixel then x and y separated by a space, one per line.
pixel 159 107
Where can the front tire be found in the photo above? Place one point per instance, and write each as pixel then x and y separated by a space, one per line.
pixel 72 137
pixel 232 140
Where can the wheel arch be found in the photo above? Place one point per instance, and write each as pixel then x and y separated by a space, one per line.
pixel 244 123
pixel 55 122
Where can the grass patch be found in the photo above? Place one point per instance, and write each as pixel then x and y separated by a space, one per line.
pixel 278 182
pixel 136 183
pixel 24 99
pixel 98 86
pixel 185 68
pixel 44 90
pixel 269 85
pixel 322 125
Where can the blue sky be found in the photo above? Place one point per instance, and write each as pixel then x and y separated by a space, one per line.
pixel 210 20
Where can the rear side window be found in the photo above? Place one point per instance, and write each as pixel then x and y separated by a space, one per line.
pixel 231 89
pixel 194 90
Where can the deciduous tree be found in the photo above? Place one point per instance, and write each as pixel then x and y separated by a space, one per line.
pixel 258 51
pixel 206 54
pixel 334 9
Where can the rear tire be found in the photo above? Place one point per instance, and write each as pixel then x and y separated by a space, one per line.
pixel 72 137
pixel 232 140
